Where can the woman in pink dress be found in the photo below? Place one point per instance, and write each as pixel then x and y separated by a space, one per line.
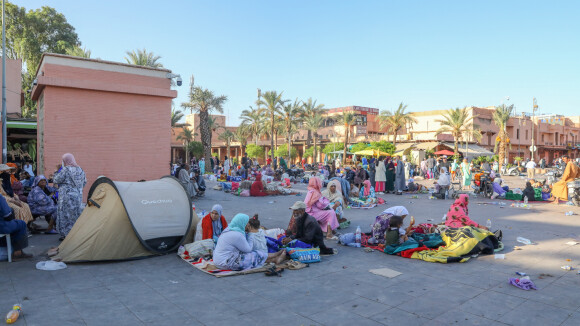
pixel 457 216
pixel 318 207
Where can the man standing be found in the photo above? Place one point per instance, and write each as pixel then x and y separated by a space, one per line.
pixel 430 167
pixel 560 188
pixel 400 183
pixel 245 166
pixel 531 169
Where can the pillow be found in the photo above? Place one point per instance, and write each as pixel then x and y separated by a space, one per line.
pixel 310 255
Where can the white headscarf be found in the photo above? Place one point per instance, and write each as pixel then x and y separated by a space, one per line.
pixel 396 210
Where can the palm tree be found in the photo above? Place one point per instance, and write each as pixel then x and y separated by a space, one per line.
pixel 458 123
pixel 290 117
pixel 309 109
pixel 176 115
pixel 312 124
pixel 396 120
pixel 500 116
pixel 143 58
pixel 77 51
pixel 187 136
pixel 227 136
pixel 347 119
pixel 241 135
pixel 203 101
pixel 252 121
pixel 273 105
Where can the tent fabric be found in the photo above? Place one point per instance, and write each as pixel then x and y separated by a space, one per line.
pixel 427 146
pixel 371 152
pixel 472 150
pixel 128 220
pixel 401 147
pixel 444 152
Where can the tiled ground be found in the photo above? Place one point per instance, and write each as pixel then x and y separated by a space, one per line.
pixel 338 291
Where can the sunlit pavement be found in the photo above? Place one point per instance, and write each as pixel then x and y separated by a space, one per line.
pixel 337 291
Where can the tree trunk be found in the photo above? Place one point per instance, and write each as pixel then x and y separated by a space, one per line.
pixel 228 146
pixel 272 137
pixel 395 139
pixel 186 148
pixel 346 130
pixel 315 152
pixel 289 144
pixel 501 150
pixel 205 134
pixel 308 138
pixel 456 149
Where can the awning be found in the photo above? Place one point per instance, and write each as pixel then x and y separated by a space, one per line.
pixel 472 150
pixel 403 146
pixel 427 145
pixel 21 124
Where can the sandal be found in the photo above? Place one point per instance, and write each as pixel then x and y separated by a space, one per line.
pixel 274 272
pixel 53 231
pixel 334 238
pixel 22 255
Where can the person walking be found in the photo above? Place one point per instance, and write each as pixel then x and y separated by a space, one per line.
pixel 400 183
pixel 466 174
pixel 71 180
pixel 531 169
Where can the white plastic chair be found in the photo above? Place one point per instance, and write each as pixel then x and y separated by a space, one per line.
pixel 9 245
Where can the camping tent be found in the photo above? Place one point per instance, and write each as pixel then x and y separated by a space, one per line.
pixel 126 220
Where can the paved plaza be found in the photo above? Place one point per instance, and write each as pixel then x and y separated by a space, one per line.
pixel 340 290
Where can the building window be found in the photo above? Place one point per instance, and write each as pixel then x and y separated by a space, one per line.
pixel 542 138
pixel 518 134
pixel 526 135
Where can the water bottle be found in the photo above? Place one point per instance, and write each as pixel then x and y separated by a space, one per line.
pixel 526 200
pixel 488 224
pixel 444 217
pixel 446 194
pixel 13 314
pixel 358 235
pixel 523 240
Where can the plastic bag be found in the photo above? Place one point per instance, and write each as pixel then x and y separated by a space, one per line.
pixel 200 248
pixel 274 233
pixel 311 255
pixel 50 265
pixel 198 231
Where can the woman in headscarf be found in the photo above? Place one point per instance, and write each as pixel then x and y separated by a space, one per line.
pixel 185 180
pixel 498 190
pixel 70 180
pixel 360 176
pixel 380 176
pixel 202 166
pixel 257 188
pixel 333 193
pixel 390 175
pixel 20 208
pixel 17 186
pixel 381 224
pixel 372 171
pixel 466 173
pixel 213 224
pixel 454 167
pixel 528 192
pixel 41 202
pixel 319 208
pixel 226 166
pixel 458 214
pixel 366 196
pixel 400 181
pixel 234 249
pixel 443 181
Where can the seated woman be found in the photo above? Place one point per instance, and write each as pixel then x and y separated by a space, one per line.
pixel 318 207
pixel 529 192
pixel 444 180
pixel 257 189
pixel 233 250
pixel 41 202
pixel 213 224
pixel 382 221
pixel 305 228
pixel 366 196
pixel 333 193
pixel 498 190
pixel 16 229
pixel 457 216
pixel 21 209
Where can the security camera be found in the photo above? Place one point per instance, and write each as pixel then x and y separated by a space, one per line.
pixel 177 77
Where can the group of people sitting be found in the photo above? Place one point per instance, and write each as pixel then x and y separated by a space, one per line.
pixel 60 205
pixel 191 179
pixel 242 244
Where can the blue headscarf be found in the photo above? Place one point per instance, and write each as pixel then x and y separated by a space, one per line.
pixel 239 223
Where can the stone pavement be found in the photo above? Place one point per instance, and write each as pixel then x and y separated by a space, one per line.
pixel 337 291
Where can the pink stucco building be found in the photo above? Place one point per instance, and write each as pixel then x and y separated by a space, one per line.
pixel 113 117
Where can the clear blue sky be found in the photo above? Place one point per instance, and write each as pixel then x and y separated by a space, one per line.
pixel 427 54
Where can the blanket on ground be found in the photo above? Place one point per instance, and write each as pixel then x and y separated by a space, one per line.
pixel 430 240
pixel 208 267
pixel 461 244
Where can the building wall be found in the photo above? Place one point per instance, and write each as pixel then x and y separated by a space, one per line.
pixel 115 123
pixel 13 86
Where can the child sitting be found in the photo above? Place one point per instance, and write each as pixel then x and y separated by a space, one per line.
pixel 396 235
pixel 259 241
pixel 257 235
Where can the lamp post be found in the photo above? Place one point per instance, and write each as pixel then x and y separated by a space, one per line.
pixel 4 152
pixel 534 108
